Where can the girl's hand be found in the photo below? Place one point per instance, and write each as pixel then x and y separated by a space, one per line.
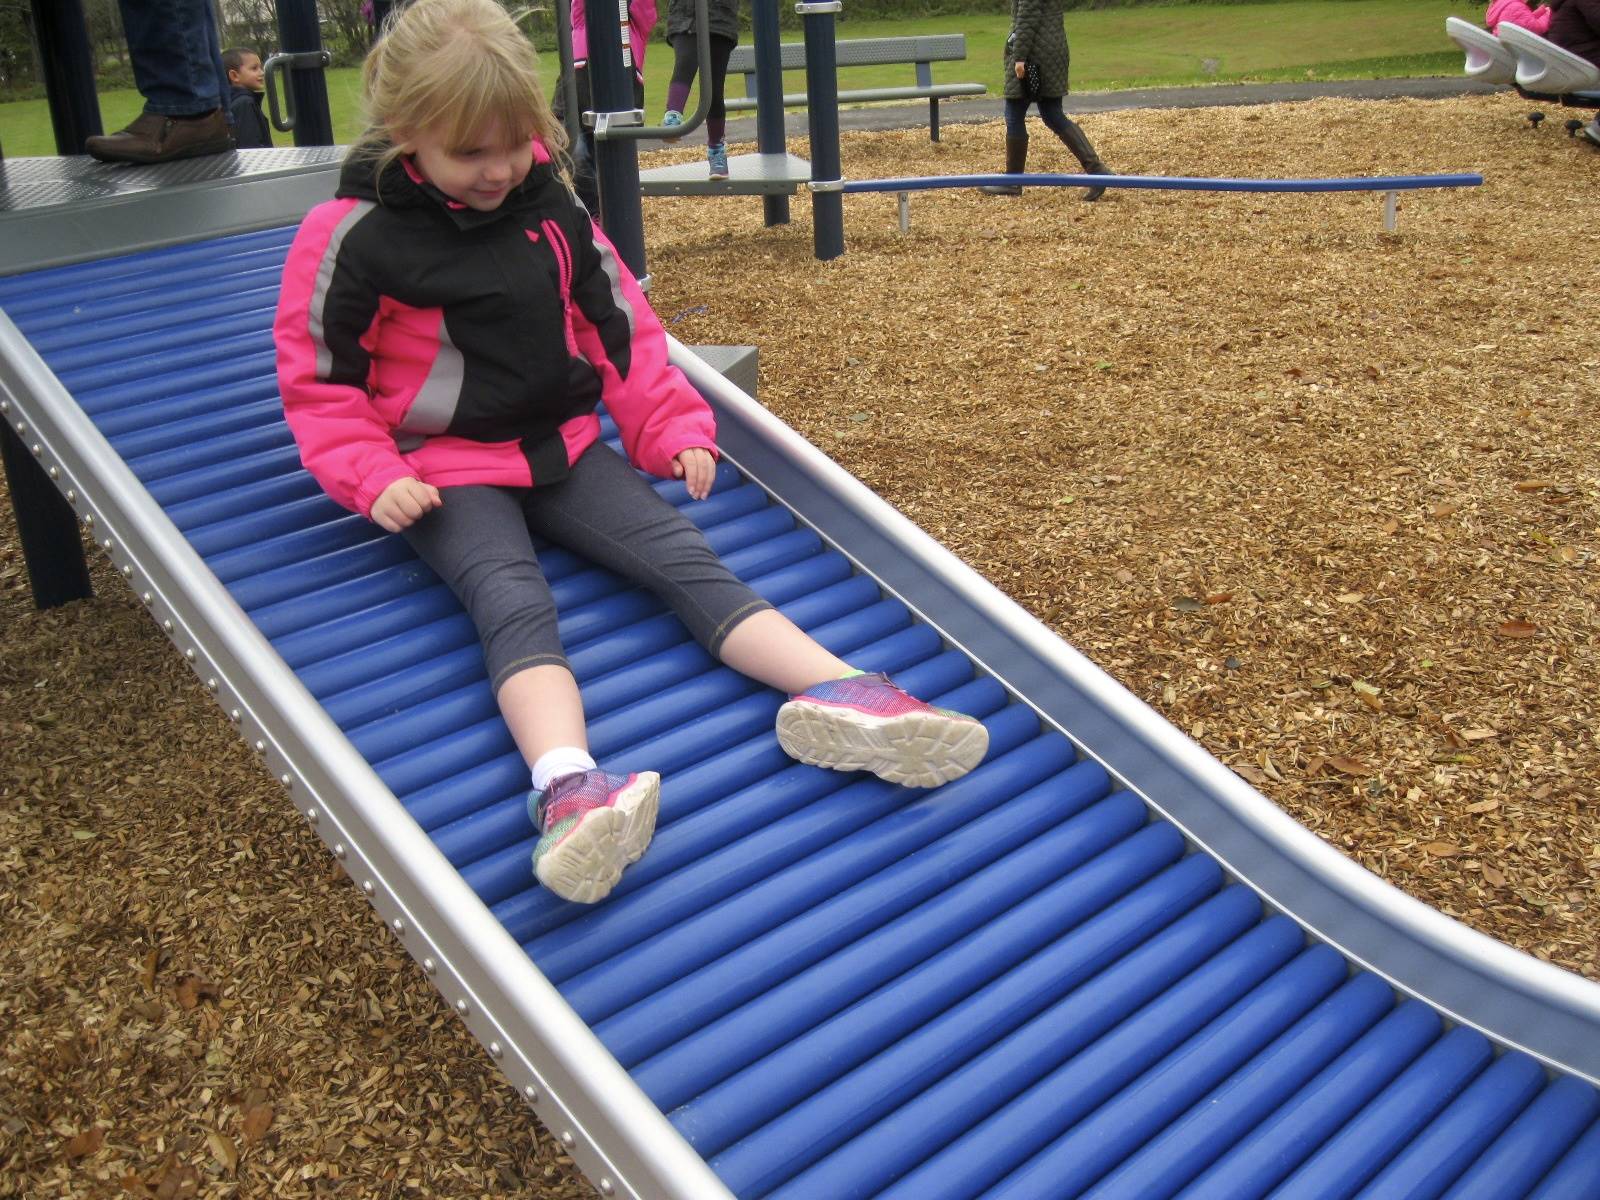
pixel 404 502
pixel 697 468
pixel 1021 68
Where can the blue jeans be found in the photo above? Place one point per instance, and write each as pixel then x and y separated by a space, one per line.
pixel 1055 120
pixel 177 60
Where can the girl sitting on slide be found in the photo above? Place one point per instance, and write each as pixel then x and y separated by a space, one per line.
pixel 448 325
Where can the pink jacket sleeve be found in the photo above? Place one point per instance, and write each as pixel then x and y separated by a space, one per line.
pixel 658 411
pixel 323 330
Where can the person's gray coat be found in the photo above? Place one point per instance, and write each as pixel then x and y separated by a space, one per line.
pixel 1037 36
pixel 721 15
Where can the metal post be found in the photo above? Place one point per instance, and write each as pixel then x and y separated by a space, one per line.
pixel 616 159
pixel 1391 211
pixel 68 72
pixel 46 527
pixel 905 211
pixel 769 97
pixel 299 33
pixel 822 90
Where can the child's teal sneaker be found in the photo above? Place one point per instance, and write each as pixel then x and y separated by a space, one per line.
pixel 717 156
pixel 672 119
pixel 592 825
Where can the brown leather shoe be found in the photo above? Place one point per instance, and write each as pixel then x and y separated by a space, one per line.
pixel 153 138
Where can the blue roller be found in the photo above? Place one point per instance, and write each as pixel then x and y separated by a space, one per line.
pixel 1578 1172
pixel 1146 1107
pixel 1257 1163
pixel 918 965
pixel 1532 1144
pixel 1439 1155
pixel 1360 1150
pixel 888 1114
pixel 661 1015
pixel 997 1145
pixel 1169 1160
pixel 608 986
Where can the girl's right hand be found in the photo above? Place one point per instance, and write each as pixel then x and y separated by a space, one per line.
pixel 1021 68
pixel 404 502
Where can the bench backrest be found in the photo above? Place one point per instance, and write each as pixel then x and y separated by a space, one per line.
pixel 864 52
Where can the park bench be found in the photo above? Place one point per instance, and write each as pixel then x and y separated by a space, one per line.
pixel 923 51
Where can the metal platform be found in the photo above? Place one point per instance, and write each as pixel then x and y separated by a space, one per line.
pixel 1100 965
pixel 748 175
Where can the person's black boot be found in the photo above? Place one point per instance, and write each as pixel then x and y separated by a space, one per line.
pixel 1016 164
pixel 1078 142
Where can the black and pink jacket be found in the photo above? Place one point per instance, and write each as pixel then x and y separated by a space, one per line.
pixel 420 337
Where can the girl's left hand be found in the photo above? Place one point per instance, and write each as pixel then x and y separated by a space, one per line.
pixel 1021 68
pixel 697 467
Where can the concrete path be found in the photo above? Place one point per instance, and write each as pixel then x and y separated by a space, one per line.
pixel 991 108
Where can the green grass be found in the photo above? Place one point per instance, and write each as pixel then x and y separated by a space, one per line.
pixel 1111 49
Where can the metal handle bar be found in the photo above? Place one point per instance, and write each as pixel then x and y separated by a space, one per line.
pixel 300 60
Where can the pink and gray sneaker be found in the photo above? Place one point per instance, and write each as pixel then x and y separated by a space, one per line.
pixel 593 825
pixel 864 723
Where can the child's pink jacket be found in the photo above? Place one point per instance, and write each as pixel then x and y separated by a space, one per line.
pixel 418 337
pixel 1534 20
pixel 641 20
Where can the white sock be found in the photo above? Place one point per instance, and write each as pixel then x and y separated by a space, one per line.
pixel 563 760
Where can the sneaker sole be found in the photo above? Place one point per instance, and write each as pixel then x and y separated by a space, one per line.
pixel 587 863
pixel 917 749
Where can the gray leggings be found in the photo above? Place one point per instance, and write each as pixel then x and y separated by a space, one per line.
pixel 478 542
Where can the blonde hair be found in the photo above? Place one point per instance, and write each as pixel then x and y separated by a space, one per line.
pixel 452 66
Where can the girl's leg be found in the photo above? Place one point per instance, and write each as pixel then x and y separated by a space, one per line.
pixel 717 114
pixel 605 511
pixel 685 65
pixel 769 647
pixel 592 824
pixel 477 542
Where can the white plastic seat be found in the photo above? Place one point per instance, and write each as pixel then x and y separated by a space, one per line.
pixel 1543 66
pixel 1487 59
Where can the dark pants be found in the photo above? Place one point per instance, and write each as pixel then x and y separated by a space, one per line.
pixel 686 64
pixel 177 61
pixel 478 542
pixel 1050 112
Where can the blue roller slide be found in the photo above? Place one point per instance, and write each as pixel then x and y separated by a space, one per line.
pixel 1100 965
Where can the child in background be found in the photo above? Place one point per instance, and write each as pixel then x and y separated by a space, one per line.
pixel 1534 20
pixel 723 18
pixel 641 21
pixel 446 328
pixel 246 82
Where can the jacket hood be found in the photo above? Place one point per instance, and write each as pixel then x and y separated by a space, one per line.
pixel 399 186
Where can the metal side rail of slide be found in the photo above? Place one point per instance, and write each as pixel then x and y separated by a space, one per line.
pixel 1100 965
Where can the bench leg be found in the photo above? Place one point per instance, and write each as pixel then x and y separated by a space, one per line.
pixel 933 118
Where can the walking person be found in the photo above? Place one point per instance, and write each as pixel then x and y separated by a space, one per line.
pixel 447 327
pixel 1037 59
pixel 723 17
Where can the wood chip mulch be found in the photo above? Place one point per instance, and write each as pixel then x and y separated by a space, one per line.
pixel 1327 498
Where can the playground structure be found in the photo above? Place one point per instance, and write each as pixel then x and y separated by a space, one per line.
pixel 812 985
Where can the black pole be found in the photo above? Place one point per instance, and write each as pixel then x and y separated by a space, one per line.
pixel 68 72
pixel 298 33
pixel 822 88
pixel 769 97
pixel 616 159
pixel 46 527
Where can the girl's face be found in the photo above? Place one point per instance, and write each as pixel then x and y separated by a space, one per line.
pixel 479 174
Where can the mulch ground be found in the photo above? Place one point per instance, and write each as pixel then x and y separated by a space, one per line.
pixel 1326 497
